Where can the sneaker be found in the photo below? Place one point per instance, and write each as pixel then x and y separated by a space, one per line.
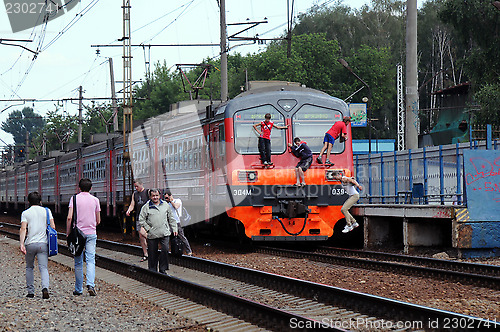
pixel 76 293
pixel 91 290
pixel 328 162
pixel 347 229
pixel 265 163
pixel 144 258
pixel 354 225
pixel 45 293
pixel 319 160
pixel 30 295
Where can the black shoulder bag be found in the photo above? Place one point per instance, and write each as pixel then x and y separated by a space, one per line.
pixel 76 238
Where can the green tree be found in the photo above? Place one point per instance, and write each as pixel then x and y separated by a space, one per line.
pixel 98 119
pixel 60 128
pixel 21 122
pixel 156 94
pixel 477 23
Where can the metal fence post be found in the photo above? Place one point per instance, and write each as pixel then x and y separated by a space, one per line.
pixel 410 175
pixel 425 176
pixel 396 199
pixel 369 179
pixel 459 184
pixel 441 175
pixel 382 180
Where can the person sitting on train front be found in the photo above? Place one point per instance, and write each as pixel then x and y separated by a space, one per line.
pixel 339 129
pixel 302 151
pixel 265 138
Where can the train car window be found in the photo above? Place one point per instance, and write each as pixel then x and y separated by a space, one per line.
pixel 246 138
pixel 310 123
pixel 184 154
pixel 190 154
pixel 222 142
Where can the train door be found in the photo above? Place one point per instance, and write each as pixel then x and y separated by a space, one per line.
pixel 212 184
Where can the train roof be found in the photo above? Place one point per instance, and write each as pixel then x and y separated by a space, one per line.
pixel 276 92
pixel 259 87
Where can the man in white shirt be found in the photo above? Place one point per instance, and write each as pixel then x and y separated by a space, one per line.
pixel 34 225
pixel 176 205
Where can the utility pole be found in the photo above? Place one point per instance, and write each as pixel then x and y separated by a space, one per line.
pixel 127 105
pixel 223 52
pixel 412 121
pixel 113 96
pixel 289 33
pixel 80 115
pixel 27 148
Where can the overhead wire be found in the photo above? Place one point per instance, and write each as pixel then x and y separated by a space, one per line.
pixel 171 22
pixel 41 48
pixel 71 23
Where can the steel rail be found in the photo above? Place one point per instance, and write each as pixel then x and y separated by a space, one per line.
pixel 363 303
pixel 491 270
pixel 475 279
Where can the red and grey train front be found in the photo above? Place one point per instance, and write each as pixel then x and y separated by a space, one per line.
pixel 264 199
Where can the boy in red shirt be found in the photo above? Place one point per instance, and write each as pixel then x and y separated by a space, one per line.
pixel 265 138
pixel 339 129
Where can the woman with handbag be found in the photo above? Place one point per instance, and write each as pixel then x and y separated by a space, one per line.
pixel 33 242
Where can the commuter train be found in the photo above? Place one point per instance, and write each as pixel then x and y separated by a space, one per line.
pixel 207 154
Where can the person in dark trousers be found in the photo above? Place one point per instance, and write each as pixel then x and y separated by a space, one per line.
pixel 350 185
pixel 139 198
pixel 302 151
pixel 157 223
pixel 176 206
pixel 33 242
pixel 88 217
pixel 339 129
pixel 265 138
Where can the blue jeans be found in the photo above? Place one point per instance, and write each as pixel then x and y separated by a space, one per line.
pixel 40 250
pixel 90 244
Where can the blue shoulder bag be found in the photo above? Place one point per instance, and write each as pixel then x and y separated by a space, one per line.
pixel 51 236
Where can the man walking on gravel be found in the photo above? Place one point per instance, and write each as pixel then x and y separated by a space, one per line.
pixel 34 223
pixel 157 223
pixel 87 218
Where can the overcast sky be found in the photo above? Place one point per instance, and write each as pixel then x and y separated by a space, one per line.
pixel 67 59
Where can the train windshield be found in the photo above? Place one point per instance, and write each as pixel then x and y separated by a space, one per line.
pixel 310 123
pixel 246 138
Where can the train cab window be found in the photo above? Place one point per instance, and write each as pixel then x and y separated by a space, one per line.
pixel 310 123
pixel 246 138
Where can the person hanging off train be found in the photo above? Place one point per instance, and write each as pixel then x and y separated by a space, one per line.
pixel 350 185
pixel 265 138
pixel 339 129
pixel 302 151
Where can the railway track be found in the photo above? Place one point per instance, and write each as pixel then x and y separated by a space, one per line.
pixel 470 273
pixel 275 302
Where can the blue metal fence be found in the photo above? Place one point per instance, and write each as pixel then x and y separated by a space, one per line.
pixel 429 175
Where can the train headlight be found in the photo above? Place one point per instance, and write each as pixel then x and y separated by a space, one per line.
pixel 247 176
pixel 330 175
